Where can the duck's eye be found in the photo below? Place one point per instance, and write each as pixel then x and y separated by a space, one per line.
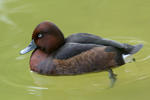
pixel 40 35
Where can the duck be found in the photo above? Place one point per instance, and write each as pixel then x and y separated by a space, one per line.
pixel 79 53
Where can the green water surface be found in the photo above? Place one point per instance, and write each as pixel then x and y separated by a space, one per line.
pixel 127 21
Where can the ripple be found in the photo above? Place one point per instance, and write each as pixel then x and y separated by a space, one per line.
pixel 20 57
pixel 129 39
pixel 146 58
pixel 38 88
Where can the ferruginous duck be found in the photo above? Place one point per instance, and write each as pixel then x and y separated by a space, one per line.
pixel 77 54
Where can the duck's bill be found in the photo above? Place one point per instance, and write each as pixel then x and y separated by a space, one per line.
pixel 30 47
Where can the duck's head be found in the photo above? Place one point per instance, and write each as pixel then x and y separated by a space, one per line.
pixel 47 37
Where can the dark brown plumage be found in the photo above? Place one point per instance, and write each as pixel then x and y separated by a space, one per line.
pixel 77 54
pixel 96 59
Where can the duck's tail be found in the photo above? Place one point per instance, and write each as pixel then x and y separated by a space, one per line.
pixel 130 50
pixel 136 48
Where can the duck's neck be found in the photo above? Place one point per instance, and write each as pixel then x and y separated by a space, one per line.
pixel 53 50
pixel 55 44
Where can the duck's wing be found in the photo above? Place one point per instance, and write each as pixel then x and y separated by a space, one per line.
pixel 72 49
pixel 86 38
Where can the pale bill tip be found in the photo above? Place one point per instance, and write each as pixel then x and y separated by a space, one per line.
pixel 31 46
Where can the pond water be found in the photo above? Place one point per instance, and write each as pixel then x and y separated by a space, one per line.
pixel 126 21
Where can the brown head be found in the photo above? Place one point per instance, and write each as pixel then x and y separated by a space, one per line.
pixel 47 37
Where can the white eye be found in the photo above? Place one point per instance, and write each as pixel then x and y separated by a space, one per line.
pixel 40 35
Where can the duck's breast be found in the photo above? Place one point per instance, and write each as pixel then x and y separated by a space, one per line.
pixel 36 58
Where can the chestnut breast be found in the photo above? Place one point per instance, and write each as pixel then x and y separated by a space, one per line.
pixel 36 58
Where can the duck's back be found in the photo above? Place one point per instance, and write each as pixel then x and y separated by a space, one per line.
pixel 69 50
pixel 86 38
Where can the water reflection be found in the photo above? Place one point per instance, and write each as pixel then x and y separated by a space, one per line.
pixel 146 58
pixel 4 16
pixel 5 11
pixel 37 91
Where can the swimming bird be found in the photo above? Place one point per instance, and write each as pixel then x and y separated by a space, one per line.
pixel 76 54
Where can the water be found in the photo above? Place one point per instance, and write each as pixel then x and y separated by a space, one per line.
pixel 126 21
